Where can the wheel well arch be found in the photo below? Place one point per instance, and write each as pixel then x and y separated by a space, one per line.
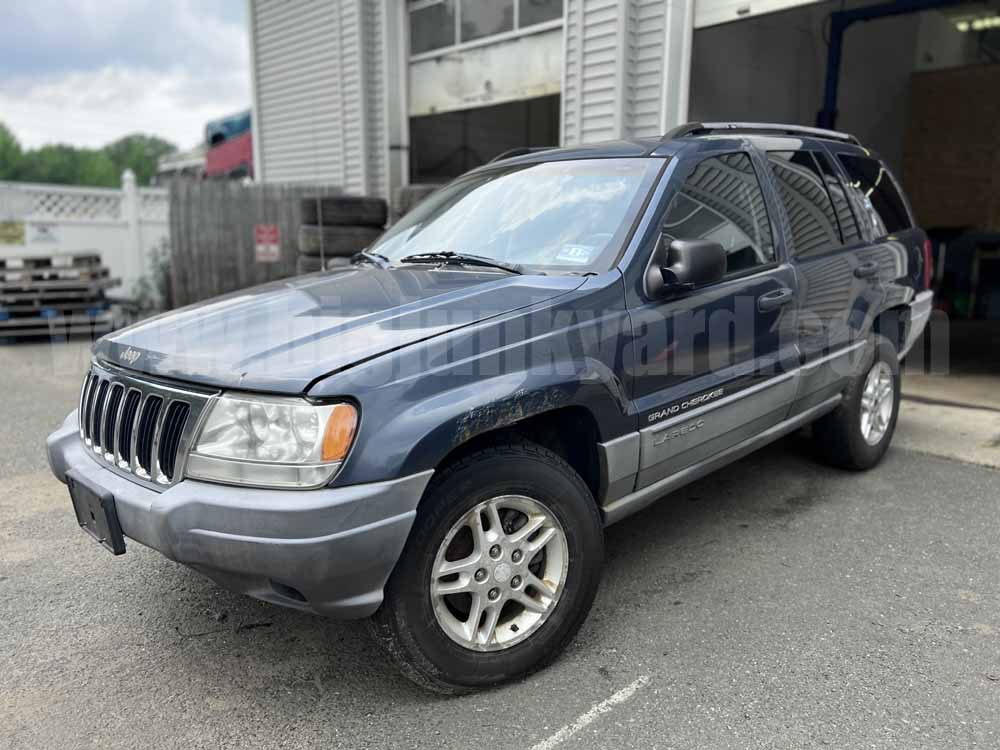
pixel 571 432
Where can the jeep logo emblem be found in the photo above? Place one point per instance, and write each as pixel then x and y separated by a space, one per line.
pixel 130 356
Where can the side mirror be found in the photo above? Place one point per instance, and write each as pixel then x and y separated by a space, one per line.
pixel 685 264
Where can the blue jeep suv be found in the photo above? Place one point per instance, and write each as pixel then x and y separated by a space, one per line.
pixel 435 437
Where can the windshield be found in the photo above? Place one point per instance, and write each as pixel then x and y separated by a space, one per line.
pixel 560 216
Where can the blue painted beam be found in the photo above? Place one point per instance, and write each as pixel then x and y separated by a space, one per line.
pixel 840 21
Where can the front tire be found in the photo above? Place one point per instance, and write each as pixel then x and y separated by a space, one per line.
pixel 499 572
pixel 857 433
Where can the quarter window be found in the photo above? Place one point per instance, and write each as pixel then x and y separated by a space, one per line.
pixel 721 201
pixel 803 192
pixel 876 192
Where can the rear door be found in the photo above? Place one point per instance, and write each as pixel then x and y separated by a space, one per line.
pixel 840 290
pixel 896 243
pixel 709 364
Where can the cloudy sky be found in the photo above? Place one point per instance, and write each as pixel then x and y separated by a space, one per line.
pixel 86 72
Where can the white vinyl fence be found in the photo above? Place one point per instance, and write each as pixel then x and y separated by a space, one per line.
pixel 123 226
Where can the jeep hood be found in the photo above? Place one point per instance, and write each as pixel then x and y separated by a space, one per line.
pixel 282 336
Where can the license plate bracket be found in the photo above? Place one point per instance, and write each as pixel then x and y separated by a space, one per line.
pixel 96 513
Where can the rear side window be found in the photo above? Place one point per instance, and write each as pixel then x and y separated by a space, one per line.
pixel 803 192
pixel 877 193
pixel 848 222
pixel 721 201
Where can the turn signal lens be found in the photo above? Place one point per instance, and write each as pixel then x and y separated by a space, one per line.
pixel 339 434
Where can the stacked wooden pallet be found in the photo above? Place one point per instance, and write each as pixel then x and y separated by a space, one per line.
pixel 60 294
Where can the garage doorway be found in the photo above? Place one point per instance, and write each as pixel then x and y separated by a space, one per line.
pixel 443 146
pixel 920 88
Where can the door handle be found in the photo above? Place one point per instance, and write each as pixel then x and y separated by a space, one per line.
pixel 774 300
pixel 865 270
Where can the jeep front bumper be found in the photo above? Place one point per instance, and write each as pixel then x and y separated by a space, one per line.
pixel 328 551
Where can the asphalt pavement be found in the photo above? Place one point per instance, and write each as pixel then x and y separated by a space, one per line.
pixel 775 604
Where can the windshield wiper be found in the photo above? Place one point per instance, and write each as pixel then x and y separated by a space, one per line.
pixel 463 259
pixel 376 259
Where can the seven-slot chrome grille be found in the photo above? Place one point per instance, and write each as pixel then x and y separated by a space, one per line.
pixel 139 427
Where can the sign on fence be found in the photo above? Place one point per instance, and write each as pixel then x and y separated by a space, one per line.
pixel 267 239
pixel 11 232
pixel 44 232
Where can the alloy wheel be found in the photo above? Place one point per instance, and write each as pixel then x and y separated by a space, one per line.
pixel 499 572
pixel 877 401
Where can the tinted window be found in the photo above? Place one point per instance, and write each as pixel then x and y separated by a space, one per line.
pixel 432 27
pixel 877 193
pixel 486 17
pixel 848 223
pixel 537 11
pixel 568 216
pixel 803 192
pixel 721 201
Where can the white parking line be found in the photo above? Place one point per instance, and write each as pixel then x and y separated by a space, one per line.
pixel 592 715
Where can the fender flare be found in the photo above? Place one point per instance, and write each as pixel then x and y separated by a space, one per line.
pixel 452 418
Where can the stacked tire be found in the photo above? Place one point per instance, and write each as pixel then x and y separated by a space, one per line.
pixel 405 197
pixel 335 228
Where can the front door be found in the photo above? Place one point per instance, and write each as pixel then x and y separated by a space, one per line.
pixel 710 363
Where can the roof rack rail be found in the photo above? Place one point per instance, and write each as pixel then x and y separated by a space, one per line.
pixel 708 128
pixel 520 151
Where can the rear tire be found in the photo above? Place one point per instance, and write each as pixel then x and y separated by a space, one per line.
pixel 857 433
pixel 424 632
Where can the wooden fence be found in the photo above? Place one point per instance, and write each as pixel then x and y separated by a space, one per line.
pixel 212 237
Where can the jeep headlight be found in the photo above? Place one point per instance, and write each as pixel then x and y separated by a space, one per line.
pixel 272 442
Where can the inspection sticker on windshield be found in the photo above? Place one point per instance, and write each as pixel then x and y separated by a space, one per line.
pixel 579 254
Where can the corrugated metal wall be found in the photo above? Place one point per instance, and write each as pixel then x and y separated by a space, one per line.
pixel 626 66
pixel 376 111
pixel 351 124
pixel 645 69
pixel 319 104
pixel 590 70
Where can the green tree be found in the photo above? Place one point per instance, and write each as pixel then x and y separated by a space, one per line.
pixel 140 153
pixel 96 168
pixel 68 165
pixel 10 154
